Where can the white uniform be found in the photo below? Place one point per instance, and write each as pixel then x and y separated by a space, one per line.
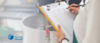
pixel 87 23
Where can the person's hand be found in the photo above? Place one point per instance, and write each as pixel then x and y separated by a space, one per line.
pixel 59 35
pixel 75 9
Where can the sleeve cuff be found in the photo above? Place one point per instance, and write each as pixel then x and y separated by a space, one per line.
pixel 64 40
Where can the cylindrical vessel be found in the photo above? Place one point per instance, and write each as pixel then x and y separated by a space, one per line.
pixel 30 29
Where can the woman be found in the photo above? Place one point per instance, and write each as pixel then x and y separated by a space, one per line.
pixel 86 24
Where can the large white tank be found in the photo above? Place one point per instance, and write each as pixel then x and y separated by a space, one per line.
pixel 30 29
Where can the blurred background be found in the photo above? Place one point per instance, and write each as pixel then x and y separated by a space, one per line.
pixel 11 14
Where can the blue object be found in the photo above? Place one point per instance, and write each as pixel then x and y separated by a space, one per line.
pixel 10 36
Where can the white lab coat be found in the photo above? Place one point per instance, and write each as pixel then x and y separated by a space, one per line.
pixel 87 23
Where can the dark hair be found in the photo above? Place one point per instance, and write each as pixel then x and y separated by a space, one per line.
pixel 84 2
